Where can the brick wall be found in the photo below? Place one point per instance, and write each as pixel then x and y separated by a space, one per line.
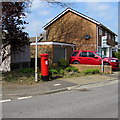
pixel 71 28
pixel 107 69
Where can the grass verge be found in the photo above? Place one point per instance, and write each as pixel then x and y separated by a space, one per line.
pixel 22 76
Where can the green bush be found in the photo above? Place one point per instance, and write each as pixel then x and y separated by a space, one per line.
pixel 91 71
pixel 26 70
pixel 63 63
pixel 117 55
pixel 53 71
pixel 61 71
pixel 69 69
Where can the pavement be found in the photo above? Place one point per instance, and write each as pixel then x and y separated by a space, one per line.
pixel 14 91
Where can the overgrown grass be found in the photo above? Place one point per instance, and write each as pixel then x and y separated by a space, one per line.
pixel 65 71
pixel 22 76
pixel 91 71
pixel 71 69
pixel 26 75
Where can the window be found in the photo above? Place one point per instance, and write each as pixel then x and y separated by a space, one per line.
pixel 113 38
pixel 100 31
pixel 83 54
pixel 90 54
pixel 74 53
pixel 87 54
pixel 104 52
pixel 109 37
pixel 105 33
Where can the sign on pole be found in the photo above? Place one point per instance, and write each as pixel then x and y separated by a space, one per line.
pixel 104 41
pixel 103 44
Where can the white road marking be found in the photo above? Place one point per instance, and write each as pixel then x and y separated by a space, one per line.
pixel 2 101
pixel 21 98
pixel 56 84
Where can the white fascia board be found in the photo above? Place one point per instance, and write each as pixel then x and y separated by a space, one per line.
pixel 53 43
pixel 106 46
pixel 88 18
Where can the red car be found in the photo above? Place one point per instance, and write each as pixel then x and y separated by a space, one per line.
pixel 92 58
pixel 114 62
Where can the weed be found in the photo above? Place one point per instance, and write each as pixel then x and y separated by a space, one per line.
pixel 91 71
pixel 26 70
pixel 63 63
pixel 70 69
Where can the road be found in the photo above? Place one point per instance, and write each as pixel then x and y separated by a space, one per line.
pixel 96 102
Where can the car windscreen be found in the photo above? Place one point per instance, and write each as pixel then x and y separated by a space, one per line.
pixel 98 53
pixel 74 53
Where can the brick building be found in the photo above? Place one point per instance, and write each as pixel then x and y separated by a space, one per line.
pixel 72 30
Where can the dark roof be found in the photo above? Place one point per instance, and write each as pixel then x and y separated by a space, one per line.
pixel 32 39
pixel 42 37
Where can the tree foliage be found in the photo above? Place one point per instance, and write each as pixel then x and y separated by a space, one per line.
pixel 13 14
pixel 117 55
pixel 58 2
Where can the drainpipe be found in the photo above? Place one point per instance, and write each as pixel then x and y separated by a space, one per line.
pixel 97 38
pixel 102 66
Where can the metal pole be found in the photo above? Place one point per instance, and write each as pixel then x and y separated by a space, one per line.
pixel 36 55
pixel 102 66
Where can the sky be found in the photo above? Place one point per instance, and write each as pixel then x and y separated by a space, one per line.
pixel 42 12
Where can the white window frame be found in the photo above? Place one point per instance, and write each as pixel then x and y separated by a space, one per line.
pixel 109 35
pixel 100 31
pixel 106 33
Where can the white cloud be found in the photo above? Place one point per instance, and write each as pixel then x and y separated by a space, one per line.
pixel 37 4
pixel 44 12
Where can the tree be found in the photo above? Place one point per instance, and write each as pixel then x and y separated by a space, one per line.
pixel 117 55
pixel 57 2
pixel 13 14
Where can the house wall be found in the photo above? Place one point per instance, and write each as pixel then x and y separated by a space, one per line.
pixel 71 28
pixel 110 42
pixel 50 49
pixel 110 36
pixel 107 69
pixel 41 50
pixel 5 65
pixel 21 59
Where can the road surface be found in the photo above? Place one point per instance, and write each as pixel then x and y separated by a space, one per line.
pixel 96 102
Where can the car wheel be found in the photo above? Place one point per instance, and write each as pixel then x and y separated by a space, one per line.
pixel 76 62
pixel 106 63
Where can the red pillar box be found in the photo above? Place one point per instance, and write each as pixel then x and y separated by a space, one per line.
pixel 44 67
